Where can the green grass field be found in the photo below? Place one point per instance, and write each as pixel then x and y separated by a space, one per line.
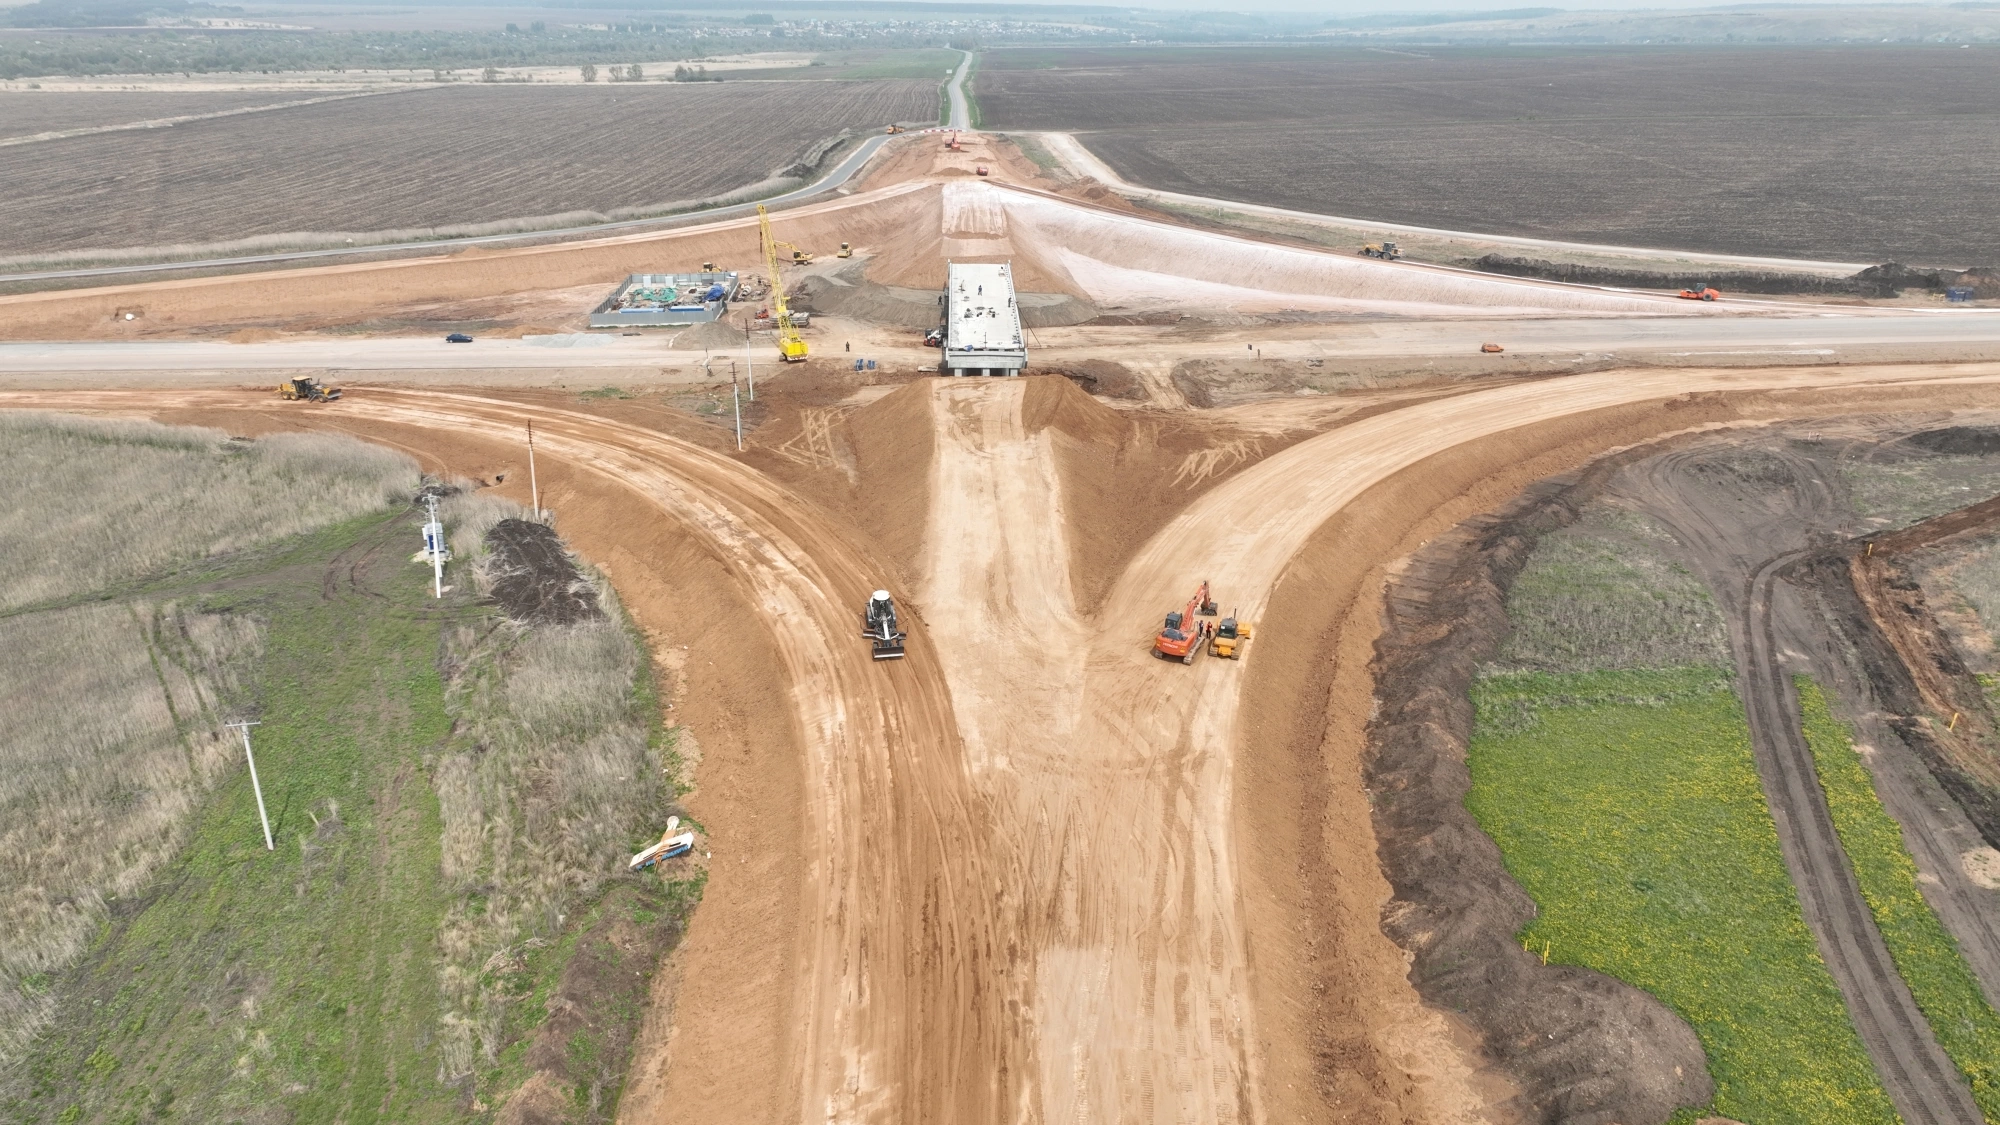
pixel 1925 953
pixel 1628 805
pixel 304 984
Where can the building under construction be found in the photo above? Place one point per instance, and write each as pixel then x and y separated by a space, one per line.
pixel 982 322
pixel 672 299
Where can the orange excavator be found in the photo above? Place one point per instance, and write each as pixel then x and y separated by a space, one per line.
pixel 1181 638
pixel 952 145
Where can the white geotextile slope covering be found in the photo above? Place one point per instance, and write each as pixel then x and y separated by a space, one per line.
pixel 1125 262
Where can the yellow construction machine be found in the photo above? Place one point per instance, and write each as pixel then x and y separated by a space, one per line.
pixel 846 251
pixel 791 346
pixel 1229 638
pixel 307 389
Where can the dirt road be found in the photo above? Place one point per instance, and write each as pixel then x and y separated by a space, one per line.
pixel 1025 891
pixel 1733 542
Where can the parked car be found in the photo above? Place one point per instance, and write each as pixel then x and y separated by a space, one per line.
pixel 458 338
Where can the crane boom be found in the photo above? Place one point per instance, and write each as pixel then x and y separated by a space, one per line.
pixel 791 347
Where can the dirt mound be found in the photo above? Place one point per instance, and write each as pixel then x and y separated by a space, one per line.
pixel 847 293
pixel 1958 440
pixel 1984 281
pixel 533 579
pixel 1885 280
pixel 1585 1048
pixel 1102 377
pixel 716 335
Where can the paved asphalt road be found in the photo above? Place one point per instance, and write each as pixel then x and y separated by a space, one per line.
pixel 1724 341
pixel 961 110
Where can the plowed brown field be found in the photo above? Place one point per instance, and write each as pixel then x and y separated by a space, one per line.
pixel 1814 152
pixel 450 156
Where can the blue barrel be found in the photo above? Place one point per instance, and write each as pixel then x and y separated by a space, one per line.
pixel 871 365
pixel 857 364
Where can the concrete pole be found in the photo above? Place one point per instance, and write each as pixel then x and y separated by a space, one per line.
pixel 254 786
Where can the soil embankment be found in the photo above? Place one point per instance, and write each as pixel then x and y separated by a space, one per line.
pixel 1935 703
pixel 1886 280
pixel 1585 1047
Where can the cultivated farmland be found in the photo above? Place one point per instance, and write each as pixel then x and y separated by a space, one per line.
pixel 25 113
pixel 1829 153
pixel 453 155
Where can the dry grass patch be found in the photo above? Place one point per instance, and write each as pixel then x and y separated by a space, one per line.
pixel 100 501
pixel 113 735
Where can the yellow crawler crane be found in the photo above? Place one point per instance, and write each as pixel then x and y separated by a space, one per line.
pixel 791 347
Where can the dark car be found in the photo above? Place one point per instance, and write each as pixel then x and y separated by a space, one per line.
pixel 458 338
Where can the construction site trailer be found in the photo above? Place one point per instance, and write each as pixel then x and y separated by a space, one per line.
pixel 982 326
pixel 648 299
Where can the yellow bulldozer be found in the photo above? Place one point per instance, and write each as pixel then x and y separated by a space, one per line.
pixel 307 389
pixel 1229 638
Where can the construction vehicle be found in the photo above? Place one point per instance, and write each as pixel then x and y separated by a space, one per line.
pixel 708 267
pixel 1700 292
pixel 1229 638
pixel 791 346
pixel 981 170
pixel 952 145
pixel 893 130
pixel 1387 251
pixel 846 251
pixel 307 389
pixel 1181 638
pixel 878 624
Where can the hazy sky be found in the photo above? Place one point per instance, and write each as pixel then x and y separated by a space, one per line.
pixel 1366 7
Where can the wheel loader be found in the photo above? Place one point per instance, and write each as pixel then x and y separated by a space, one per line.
pixel 1387 251
pixel 307 389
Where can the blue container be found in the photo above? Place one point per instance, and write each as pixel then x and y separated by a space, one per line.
pixel 871 365
pixel 1958 293
pixel 857 364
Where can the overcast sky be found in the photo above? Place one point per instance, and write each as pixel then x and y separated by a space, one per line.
pixel 1367 7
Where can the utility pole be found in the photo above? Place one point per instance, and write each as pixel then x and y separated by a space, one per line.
pixel 738 396
pixel 749 366
pixel 434 545
pixel 254 787
pixel 534 486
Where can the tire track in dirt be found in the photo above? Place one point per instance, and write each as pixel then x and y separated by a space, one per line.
pixel 1178 730
pixel 892 996
pixel 891 1023
pixel 1920 1079
pixel 1102 887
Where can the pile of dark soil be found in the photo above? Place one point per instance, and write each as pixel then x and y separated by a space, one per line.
pixel 1586 1049
pixel 1885 280
pixel 1977 441
pixel 1102 377
pixel 534 581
